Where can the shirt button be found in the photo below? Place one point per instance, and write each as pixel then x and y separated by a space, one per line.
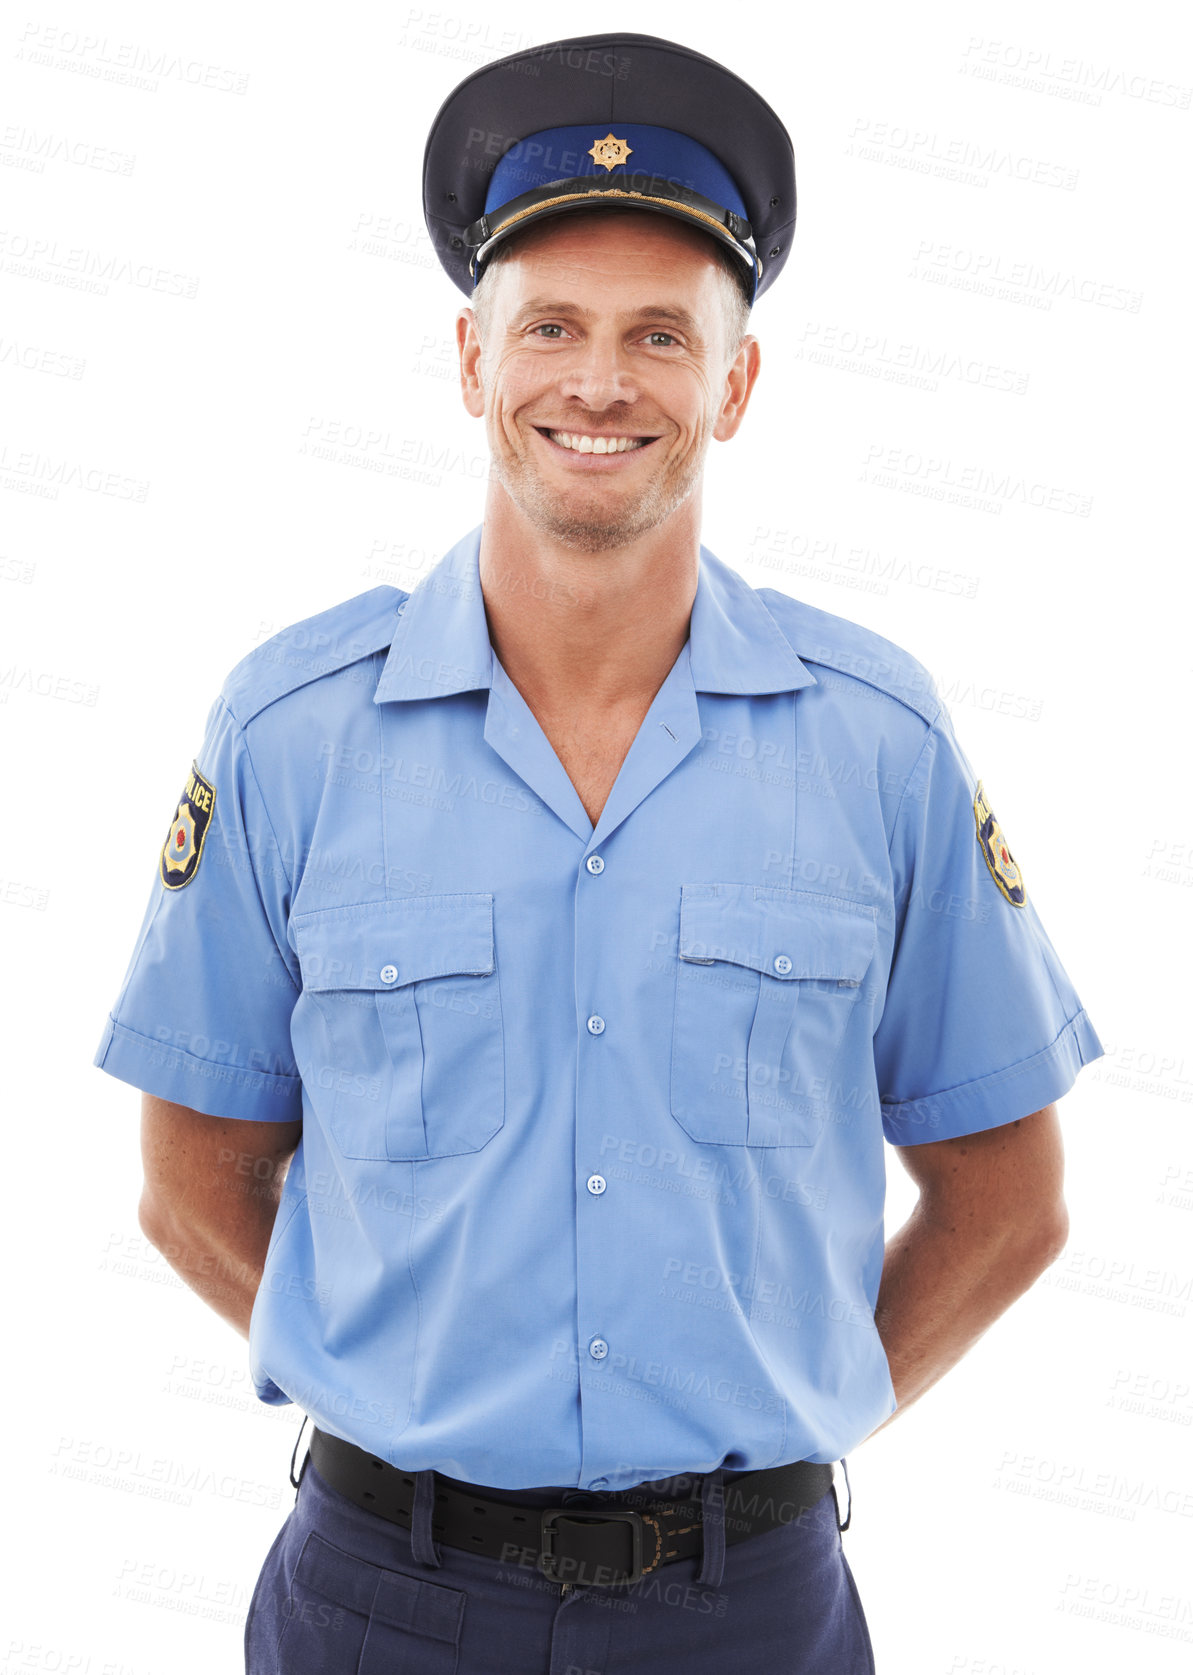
pixel 389 973
pixel 595 1025
pixel 596 1185
pixel 782 964
pixel 598 1349
pixel 599 1483
pixel 594 863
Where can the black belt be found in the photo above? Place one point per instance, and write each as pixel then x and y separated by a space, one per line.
pixel 600 1539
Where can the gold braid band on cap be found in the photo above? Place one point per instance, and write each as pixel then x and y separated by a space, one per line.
pixel 606 192
pixel 689 211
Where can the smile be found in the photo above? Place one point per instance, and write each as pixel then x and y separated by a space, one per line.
pixel 581 443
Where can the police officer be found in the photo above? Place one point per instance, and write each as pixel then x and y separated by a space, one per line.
pixel 539 960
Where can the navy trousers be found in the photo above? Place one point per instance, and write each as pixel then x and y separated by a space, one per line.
pixel 344 1592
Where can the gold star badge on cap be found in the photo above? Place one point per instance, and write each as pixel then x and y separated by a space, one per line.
pixel 610 151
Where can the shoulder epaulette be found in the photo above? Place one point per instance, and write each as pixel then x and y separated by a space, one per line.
pixel 305 651
pixel 833 642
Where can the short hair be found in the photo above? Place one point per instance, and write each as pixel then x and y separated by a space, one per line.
pixel 733 290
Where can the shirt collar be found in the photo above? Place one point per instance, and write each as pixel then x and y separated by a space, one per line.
pixel 441 639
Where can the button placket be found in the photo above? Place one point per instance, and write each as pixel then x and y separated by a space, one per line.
pixel 600 1243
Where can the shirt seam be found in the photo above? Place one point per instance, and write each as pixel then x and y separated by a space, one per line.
pixel 387 901
pixel 929 736
pixel 383 810
pixel 894 1106
pixel 248 756
pixel 815 895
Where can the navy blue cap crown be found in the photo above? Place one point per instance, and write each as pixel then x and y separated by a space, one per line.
pixel 617 121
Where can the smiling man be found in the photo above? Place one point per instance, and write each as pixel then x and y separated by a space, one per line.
pixel 611 334
pixel 604 352
pixel 542 959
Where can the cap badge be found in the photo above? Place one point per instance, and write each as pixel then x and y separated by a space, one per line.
pixel 610 151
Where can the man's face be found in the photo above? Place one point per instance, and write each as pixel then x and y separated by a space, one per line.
pixel 604 374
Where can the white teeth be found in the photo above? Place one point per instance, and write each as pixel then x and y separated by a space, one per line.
pixel 581 444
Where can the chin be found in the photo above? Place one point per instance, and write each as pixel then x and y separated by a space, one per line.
pixel 589 535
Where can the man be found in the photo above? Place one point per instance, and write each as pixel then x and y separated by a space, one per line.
pixel 555 946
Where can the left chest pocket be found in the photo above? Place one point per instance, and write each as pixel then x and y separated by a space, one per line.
pixel 766 984
pixel 411 1062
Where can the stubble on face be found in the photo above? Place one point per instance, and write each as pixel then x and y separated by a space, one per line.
pixel 593 516
pixel 594 521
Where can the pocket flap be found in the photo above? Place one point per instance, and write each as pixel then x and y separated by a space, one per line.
pixel 384 945
pixel 788 934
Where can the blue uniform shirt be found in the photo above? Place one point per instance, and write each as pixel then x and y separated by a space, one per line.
pixel 590 1186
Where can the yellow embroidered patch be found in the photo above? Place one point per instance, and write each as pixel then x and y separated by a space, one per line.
pixel 999 859
pixel 183 848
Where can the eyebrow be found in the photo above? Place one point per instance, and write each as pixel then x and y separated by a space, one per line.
pixel 661 311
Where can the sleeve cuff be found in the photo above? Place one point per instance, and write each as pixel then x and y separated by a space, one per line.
pixel 219 1090
pixel 1000 1098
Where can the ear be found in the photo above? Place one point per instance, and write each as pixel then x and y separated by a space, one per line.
pixel 740 379
pixel 469 344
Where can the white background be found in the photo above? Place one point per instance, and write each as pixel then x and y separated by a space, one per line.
pixel 988 191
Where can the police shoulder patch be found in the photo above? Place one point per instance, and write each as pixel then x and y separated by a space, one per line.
pixel 998 857
pixel 183 848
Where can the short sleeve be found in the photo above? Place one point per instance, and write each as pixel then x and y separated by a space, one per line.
pixel 203 1018
pixel 981 1025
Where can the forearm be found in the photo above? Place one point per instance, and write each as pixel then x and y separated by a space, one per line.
pixel 211 1194
pixel 943 1283
pixel 220 1260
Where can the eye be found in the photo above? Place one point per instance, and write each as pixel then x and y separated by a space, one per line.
pixel 655 336
pixel 548 328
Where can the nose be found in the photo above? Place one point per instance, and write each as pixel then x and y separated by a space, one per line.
pixel 599 376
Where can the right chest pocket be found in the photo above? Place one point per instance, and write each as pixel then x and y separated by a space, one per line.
pixel 413 1057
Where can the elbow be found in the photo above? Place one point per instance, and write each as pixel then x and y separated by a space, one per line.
pixel 181 1243
pixel 156 1221
pixel 1046 1237
pixel 1059 1231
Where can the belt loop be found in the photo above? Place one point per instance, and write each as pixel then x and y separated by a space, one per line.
pixel 295 1481
pixel 837 1504
pixel 712 1504
pixel 422 1544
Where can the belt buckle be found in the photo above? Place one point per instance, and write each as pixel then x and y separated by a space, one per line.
pixel 549 1557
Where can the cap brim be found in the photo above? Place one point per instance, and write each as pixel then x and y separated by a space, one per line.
pixel 578 196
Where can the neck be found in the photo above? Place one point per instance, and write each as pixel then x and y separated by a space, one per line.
pixel 574 628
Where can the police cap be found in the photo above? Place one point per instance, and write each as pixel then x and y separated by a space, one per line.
pixel 623 121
